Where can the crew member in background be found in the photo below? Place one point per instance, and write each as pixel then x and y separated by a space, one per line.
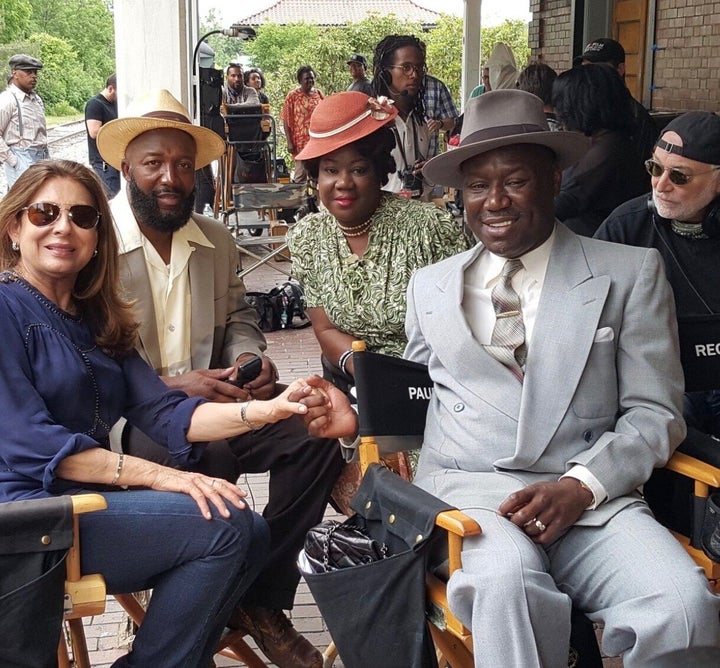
pixel 99 110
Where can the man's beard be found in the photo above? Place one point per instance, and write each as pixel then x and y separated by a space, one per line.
pixel 148 212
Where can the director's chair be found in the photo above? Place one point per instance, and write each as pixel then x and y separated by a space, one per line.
pixel 392 399
pixel 678 494
pixel 41 583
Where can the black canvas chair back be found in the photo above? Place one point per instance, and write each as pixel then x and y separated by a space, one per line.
pixel 376 612
pixel 35 537
pixel 392 394
pixel 700 351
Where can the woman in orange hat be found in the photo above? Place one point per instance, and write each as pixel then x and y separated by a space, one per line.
pixel 355 257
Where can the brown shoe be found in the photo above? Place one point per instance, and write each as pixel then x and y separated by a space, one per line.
pixel 276 637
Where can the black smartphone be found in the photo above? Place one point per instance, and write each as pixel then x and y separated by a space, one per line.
pixel 248 371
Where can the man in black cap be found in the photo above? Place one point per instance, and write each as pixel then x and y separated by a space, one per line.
pixel 681 219
pixel 606 50
pixel 23 135
pixel 358 71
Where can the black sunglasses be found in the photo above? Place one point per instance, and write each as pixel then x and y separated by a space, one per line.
pixel 41 214
pixel 676 176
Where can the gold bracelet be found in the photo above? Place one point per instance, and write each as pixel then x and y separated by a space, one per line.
pixel 118 470
pixel 244 417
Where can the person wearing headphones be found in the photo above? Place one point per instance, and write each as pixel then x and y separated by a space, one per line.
pixel 399 70
pixel 681 219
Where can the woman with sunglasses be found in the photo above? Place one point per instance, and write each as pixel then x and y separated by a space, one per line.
pixel 68 372
pixel 592 99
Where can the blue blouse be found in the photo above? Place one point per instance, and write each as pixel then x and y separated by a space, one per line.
pixel 60 394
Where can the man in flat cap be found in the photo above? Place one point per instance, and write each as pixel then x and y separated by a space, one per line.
pixel 557 391
pixel 681 219
pixel 196 328
pixel 358 71
pixel 23 133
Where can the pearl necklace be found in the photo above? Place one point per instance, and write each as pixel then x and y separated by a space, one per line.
pixel 356 230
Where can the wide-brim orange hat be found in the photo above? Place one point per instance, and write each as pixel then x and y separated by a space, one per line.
pixel 342 119
pixel 503 118
pixel 152 111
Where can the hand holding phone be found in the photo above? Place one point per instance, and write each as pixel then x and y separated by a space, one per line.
pixel 247 371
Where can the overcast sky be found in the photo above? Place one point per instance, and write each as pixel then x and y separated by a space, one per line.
pixel 493 11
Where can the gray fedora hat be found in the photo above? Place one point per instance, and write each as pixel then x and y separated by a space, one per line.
pixel 503 118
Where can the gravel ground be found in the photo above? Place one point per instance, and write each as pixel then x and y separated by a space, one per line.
pixel 68 149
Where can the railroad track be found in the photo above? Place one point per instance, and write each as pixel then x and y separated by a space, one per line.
pixel 67 133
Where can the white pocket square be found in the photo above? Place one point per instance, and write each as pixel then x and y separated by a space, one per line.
pixel 604 334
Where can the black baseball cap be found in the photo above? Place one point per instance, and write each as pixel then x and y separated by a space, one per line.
pixel 358 58
pixel 700 134
pixel 602 50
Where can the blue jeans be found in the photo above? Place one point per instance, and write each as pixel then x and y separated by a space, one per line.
pixel 197 569
pixel 109 176
pixel 25 158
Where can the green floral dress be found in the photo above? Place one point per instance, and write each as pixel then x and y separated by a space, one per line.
pixel 365 296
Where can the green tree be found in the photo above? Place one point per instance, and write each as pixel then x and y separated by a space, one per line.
pixel 444 53
pixel 14 20
pixel 86 25
pixel 62 84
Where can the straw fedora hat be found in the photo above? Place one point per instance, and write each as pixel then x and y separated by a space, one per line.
pixel 151 111
pixel 503 118
pixel 343 118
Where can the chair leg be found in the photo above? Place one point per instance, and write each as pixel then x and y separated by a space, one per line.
pixel 63 657
pixel 233 646
pixel 454 652
pixel 81 658
pixel 329 655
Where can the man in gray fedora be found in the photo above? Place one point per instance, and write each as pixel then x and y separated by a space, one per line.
pixel 23 135
pixel 557 390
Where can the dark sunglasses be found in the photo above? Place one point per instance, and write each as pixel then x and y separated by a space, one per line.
pixel 676 176
pixel 41 214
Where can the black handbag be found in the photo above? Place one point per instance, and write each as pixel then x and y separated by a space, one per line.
pixel 332 545
pixel 374 606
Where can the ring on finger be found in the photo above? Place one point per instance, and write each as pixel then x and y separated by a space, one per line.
pixel 212 483
pixel 539 525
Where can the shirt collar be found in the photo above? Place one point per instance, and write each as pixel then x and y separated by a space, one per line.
pixel 131 238
pixel 535 262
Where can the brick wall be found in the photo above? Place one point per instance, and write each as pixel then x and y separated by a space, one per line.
pixel 686 65
pixel 688 61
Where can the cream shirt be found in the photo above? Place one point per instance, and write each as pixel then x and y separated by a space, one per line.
pixel 480 278
pixel 170 288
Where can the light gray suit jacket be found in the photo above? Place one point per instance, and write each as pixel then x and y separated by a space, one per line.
pixel 603 383
pixel 223 324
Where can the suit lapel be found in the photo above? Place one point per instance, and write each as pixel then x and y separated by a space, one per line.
pixel 571 304
pixel 136 284
pixel 202 299
pixel 462 355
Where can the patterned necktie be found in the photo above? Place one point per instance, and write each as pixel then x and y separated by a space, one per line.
pixel 507 345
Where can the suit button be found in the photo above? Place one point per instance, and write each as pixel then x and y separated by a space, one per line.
pixel 458 408
pixel 587 436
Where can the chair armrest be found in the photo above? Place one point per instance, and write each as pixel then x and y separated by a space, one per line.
pixel 694 468
pixel 87 503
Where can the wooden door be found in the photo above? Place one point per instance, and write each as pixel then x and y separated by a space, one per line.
pixel 629 28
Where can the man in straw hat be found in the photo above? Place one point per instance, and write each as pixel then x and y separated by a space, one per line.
pixel 558 389
pixel 196 328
